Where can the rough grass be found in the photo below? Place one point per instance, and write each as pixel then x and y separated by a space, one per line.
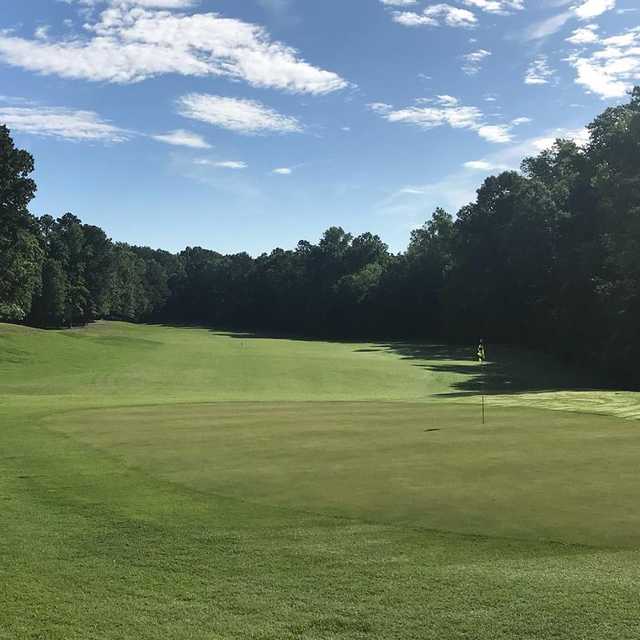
pixel 179 483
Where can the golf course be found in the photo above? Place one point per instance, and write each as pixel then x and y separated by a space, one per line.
pixel 162 482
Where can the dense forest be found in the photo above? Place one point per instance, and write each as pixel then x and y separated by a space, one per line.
pixel 548 257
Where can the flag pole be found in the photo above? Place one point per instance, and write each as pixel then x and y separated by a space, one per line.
pixel 481 359
pixel 483 390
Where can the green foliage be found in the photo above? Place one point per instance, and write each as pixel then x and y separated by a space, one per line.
pixel 20 253
pixel 50 307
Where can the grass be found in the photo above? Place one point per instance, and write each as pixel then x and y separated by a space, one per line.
pixel 181 483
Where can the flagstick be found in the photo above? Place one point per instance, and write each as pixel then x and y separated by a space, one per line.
pixel 482 356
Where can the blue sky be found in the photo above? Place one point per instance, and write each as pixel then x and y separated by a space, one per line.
pixel 250 124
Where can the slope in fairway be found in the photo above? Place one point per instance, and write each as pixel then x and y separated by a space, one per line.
pixel 180 483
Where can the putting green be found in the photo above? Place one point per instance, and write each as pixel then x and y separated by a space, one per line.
pixel 526 474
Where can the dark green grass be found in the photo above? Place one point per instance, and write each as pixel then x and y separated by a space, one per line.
pixel 135 503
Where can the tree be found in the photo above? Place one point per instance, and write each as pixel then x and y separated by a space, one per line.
pixel 20 251
pixel 50 306
pixel 429 262
pixel 505 256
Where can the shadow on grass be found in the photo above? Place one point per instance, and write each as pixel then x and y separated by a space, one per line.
pixel 509 369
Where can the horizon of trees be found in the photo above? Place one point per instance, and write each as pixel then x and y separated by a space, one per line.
pixel 548 258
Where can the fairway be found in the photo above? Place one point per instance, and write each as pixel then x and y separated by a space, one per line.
pixel 161 482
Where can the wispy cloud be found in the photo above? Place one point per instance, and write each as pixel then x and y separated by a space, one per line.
pixel 539 71
pixel 499 7
pixel 584 10
pixel 536 145
pixel 611 70
pixel 547 27
pixel 436 15
pixel 222 164
pixel 243 116
pixel 283 171
pixel 445 110
pixel 182 138
pixel 484 165
pixel 152 4
pixel 130 44
pixel 496 133
pixel 473 61
pixel 159 4
pixel 59 122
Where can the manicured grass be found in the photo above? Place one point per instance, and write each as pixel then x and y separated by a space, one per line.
pixel 180 483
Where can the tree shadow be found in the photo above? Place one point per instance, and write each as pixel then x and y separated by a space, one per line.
pixel 508 369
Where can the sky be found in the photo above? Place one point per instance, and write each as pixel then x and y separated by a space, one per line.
pixel 245 125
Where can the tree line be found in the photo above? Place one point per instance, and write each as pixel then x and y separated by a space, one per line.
pixel 548 257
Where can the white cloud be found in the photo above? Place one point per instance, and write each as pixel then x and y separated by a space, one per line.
pixel 283 171
pixel 500 7
pixel 436 15
pixel 444 113
pixel 242 116
pixel 584 35
pixel 496 133
pixel 161 4
pixel 482 165
pixel 452 16
pixel 411 191
pixel 613 68
pixel 130 44
pixel 182 138
pixel 58 122
pixel 446 110
pixel 411 19
pixel 42 32
pixel 231 164
pixel 549 26
pixel 473 61
pixel 446 100
pixel 398 3
pixel 152 4
pixel 539 71
pixel 222 164
pixel 592 8
pixel 380 108
pixel 579 136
